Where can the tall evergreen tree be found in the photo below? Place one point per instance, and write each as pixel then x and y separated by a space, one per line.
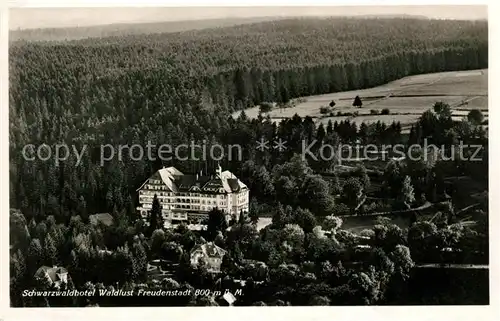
pixel 50 251
pixel 155 216
pixel 357 102
pixel 407 193
pixel 35 256
pixel 216 222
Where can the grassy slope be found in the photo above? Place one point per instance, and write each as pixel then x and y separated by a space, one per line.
pixel 409 97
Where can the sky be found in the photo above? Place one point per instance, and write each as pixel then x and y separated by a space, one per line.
pixel 27 18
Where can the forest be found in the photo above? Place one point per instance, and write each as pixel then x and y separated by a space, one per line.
pixel 126 29
pixel 172 88
pixel 175 87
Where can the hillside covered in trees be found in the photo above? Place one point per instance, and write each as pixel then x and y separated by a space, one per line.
pixel 175 87
pixel 125 29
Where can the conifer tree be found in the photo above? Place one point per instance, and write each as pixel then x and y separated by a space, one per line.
pixel 156 218
pixel 357 102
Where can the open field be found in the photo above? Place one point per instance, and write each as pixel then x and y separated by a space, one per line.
pixel 478 102
pixel 406 98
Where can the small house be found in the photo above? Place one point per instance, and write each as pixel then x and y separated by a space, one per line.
pixel 53 276
pixel 208 254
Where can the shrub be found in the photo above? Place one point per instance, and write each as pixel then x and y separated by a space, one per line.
pixel 367 233
pixel 357 102
pixel 385 111
pixel 373 112
pixel 324 110
pixel 475 117
pixel 341 209
pixel 265 107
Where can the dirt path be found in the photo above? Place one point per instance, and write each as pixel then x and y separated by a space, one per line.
pixel 453 266
pixel 466 101
pixel 421 207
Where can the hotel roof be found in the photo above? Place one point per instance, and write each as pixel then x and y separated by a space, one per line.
pixel 209 249
pixel 176 181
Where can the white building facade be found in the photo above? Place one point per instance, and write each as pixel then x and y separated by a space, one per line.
pixel 189 198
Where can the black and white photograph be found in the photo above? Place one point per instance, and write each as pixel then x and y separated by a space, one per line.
pixel 248 156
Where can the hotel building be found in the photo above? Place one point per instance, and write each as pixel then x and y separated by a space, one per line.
pixel 189 198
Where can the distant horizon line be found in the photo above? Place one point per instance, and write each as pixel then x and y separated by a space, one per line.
pixel 280 17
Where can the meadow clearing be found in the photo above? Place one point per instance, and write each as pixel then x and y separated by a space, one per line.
pixel 406 99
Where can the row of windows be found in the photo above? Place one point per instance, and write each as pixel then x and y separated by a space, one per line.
pixel 145 192
pixel 177 215
pixel 194 207
pixel 184 207
pixel 188 200
pixel 144 214
pixel 143 199
pixel 192 215
pixel 157 187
